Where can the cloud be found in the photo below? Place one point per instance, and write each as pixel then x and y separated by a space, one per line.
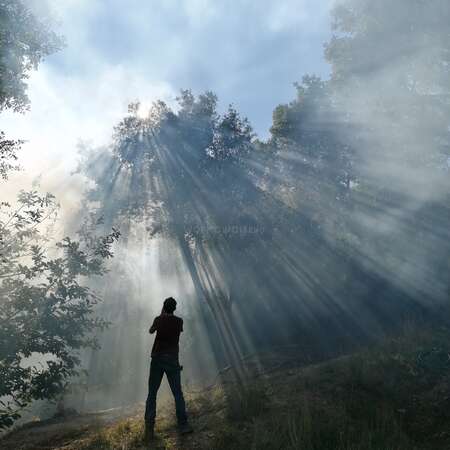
pixel 248 52
pixel 64 110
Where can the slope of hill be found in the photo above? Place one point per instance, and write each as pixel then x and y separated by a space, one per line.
pixel 393 396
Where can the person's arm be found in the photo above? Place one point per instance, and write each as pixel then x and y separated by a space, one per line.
pixel 154 326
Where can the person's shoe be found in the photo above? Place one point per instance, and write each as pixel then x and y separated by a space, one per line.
pixel 149 433
pixel 185 428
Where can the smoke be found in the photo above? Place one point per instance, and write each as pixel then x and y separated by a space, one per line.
pixel 287 286
pixel 391 75
pixel 278 282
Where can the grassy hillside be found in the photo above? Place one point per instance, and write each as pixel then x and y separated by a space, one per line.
pixel 395 396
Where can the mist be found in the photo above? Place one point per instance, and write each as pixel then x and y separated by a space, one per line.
pixel 282 171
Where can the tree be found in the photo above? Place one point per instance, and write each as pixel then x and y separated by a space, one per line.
pixel 8 155
pixel 188 181
pixel 364 155
pixel 25 41
pixel 46 304
pixel 390 76
pixel 46 308
pixel 315 167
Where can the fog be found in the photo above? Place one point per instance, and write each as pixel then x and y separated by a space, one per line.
pixel 320 229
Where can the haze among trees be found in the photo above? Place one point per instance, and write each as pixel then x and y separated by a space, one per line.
pixel 327 234
pixel 46 306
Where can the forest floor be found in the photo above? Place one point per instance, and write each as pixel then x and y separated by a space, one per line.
pixel 392 396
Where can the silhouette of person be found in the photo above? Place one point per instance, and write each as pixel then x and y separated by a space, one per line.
pixel 165 361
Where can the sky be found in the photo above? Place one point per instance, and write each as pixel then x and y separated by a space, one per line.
pixel 248 52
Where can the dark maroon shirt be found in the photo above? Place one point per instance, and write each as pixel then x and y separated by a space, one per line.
pixel 168 328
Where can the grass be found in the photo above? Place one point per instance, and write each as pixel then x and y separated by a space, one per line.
pixel 394 396
pixel 126 435
pixel 310 425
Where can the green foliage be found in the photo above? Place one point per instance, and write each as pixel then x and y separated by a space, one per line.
pixel 8 155
pixel 370 36
pixel 366 153
pixel 309 128
pixel 404 54
pixel 24 41
pixel 302 116
pixel 46 312
pixel 173 160
pixel 232 137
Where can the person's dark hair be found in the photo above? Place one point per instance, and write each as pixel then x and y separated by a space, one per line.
pixel 170 305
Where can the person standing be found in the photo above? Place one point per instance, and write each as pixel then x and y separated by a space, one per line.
pixel 164 360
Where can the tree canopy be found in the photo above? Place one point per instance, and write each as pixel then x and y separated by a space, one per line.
pixel 25 40
pixel 46 305
pixel 46 309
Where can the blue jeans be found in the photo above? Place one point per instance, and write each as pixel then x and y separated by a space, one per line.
pixel 169 365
